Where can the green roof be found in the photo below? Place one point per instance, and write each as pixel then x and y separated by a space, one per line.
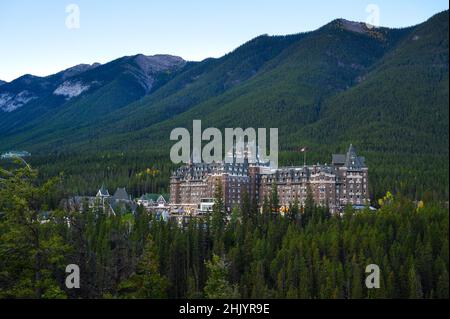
pixel 153 197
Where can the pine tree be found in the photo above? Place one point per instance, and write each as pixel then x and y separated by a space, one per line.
pixel 259 289
pixel 309 208
pixel 31 247
pixel 294 211
pixel 356 292
pixel 415 286
pixel 218 219
pixel 217 285
pixel 147 282
pixel 274 200
pixel 442 286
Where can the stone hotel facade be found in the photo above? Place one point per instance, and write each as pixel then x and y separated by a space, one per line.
pixel 344 182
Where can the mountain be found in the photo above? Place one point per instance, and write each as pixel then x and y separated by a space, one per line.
pixel 197 82
pixel 384 90
pixel 28 88
pixel 265 61
pixel 29 100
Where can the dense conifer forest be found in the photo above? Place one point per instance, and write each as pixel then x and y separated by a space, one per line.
pixel 306 253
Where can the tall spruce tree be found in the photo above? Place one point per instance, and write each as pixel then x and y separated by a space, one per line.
pixel 32 251
pixel 218 219
pixel 217 286
pixel 147 282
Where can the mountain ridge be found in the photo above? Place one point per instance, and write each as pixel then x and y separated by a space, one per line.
pixel 132 79
pixel 339 84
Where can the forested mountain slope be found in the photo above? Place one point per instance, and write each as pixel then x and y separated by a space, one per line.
pixel 80 95
pixel 384 90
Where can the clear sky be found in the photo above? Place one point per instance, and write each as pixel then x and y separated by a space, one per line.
pixel 41 38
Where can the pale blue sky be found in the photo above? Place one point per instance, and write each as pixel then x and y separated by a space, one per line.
pixel 35 39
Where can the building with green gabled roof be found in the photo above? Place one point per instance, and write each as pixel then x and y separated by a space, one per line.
pixel 150 197
pixel 153 201
pixel 103 192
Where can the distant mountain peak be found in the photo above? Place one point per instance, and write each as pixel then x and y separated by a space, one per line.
pixel 150 65
pixel 27 78
pixel 158 62
pixel 358 27
pixel 77 69
pixel 82 78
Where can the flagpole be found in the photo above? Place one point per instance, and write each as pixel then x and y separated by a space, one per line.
pixel 304 158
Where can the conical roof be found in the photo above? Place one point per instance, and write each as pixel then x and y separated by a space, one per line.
pixel 352 160
pixel 121 194
pixel 103 191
